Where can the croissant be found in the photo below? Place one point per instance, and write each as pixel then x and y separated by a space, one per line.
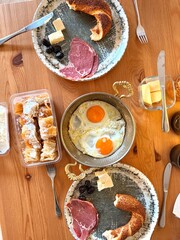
pixel 130 204
pixel 100 10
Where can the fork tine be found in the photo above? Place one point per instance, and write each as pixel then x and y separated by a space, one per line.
pixel 144 38
pixel 139 37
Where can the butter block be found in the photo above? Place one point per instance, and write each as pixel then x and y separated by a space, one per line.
pixel 156 96
pixel 56 37
pixel 58 24
pixel 154 86
pixel 146 94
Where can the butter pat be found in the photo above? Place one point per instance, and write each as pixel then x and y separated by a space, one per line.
pixel 58 24
pixel 151 92
pixel 146 95
pixel 104 180
pixel 56 37
pixel 156 96
pixel 154 86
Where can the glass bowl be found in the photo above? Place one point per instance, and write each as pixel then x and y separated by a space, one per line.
pixel 170 94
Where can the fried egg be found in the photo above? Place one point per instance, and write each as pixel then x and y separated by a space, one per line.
pixel 97 128
pixel 101 142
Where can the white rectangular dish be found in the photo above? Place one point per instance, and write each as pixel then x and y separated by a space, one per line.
pixel 4 129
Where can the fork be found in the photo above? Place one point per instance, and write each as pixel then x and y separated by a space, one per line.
pixel 51 171
pixel 140 30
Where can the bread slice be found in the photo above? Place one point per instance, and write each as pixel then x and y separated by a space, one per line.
pixel 100 10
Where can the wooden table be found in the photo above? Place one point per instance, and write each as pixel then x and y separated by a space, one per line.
pixel 26 200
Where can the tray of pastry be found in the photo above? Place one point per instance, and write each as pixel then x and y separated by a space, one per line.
pixel 36 127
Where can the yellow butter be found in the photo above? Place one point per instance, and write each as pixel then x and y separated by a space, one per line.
pixel 156 96
pixel 146 95
pixel 56 37
pixel 154 86
pixel 58 24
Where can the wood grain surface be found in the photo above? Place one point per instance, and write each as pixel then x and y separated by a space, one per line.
pixel 26 200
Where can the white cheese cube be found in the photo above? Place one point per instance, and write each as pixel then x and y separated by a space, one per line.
pixel 58 24
pixel 104 181
pixel 56 37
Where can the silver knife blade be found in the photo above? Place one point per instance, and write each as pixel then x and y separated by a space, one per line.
pixel 39 22
pixel 166 180
pixel 167 175
pixel 162 80
pixel 161 68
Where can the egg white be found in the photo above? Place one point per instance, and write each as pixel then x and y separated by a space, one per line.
pixel 84 134
pixel 88 140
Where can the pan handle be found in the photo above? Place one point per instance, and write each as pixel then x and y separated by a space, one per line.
pixel 125 85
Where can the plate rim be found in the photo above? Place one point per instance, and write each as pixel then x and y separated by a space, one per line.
pixel 134 170
pixel 94 77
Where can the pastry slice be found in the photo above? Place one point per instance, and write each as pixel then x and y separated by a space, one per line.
pixel 49 150
pixel 30 108
pixel 42 99
pixel 18 108
pixel 47 128
pixel 31 155
pixel 29 134
pixel 45 111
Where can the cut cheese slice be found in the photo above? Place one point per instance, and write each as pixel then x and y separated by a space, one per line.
pixel 104 181
pixel 56 37
pixel 146 95
pixel 58 24
pixel 156 97
pixel 154 86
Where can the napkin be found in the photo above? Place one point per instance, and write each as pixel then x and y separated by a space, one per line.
pixel 176 209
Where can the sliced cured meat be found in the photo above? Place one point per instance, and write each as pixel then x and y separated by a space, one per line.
pixel 71 73
pixel 83 61
pixel 81 56
pixel 95 66
pixel 85 217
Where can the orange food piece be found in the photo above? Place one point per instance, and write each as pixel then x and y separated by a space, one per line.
pixel 95 114
pixel 104 145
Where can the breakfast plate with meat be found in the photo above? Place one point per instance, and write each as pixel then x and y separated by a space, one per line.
pixel 117 201
pixel 84 39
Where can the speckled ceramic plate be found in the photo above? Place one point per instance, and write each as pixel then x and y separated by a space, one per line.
pixel 127 180
pixel 110 49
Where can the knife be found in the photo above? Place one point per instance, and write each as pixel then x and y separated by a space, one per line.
pixel 161 75
pixel 166 180
pixel 33 25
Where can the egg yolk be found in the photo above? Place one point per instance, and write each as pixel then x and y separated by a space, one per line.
pixel 104 145
pixel 95 114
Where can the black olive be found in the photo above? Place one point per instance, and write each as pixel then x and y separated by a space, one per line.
pixel 50 49
pixel 82 197
pixel 87 183
pixel 57 48
pixel 59 55
pixel 90 190
pixel 46 43
pixel 82 189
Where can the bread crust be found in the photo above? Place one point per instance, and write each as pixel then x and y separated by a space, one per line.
pixel 100 10
pixel 130 204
